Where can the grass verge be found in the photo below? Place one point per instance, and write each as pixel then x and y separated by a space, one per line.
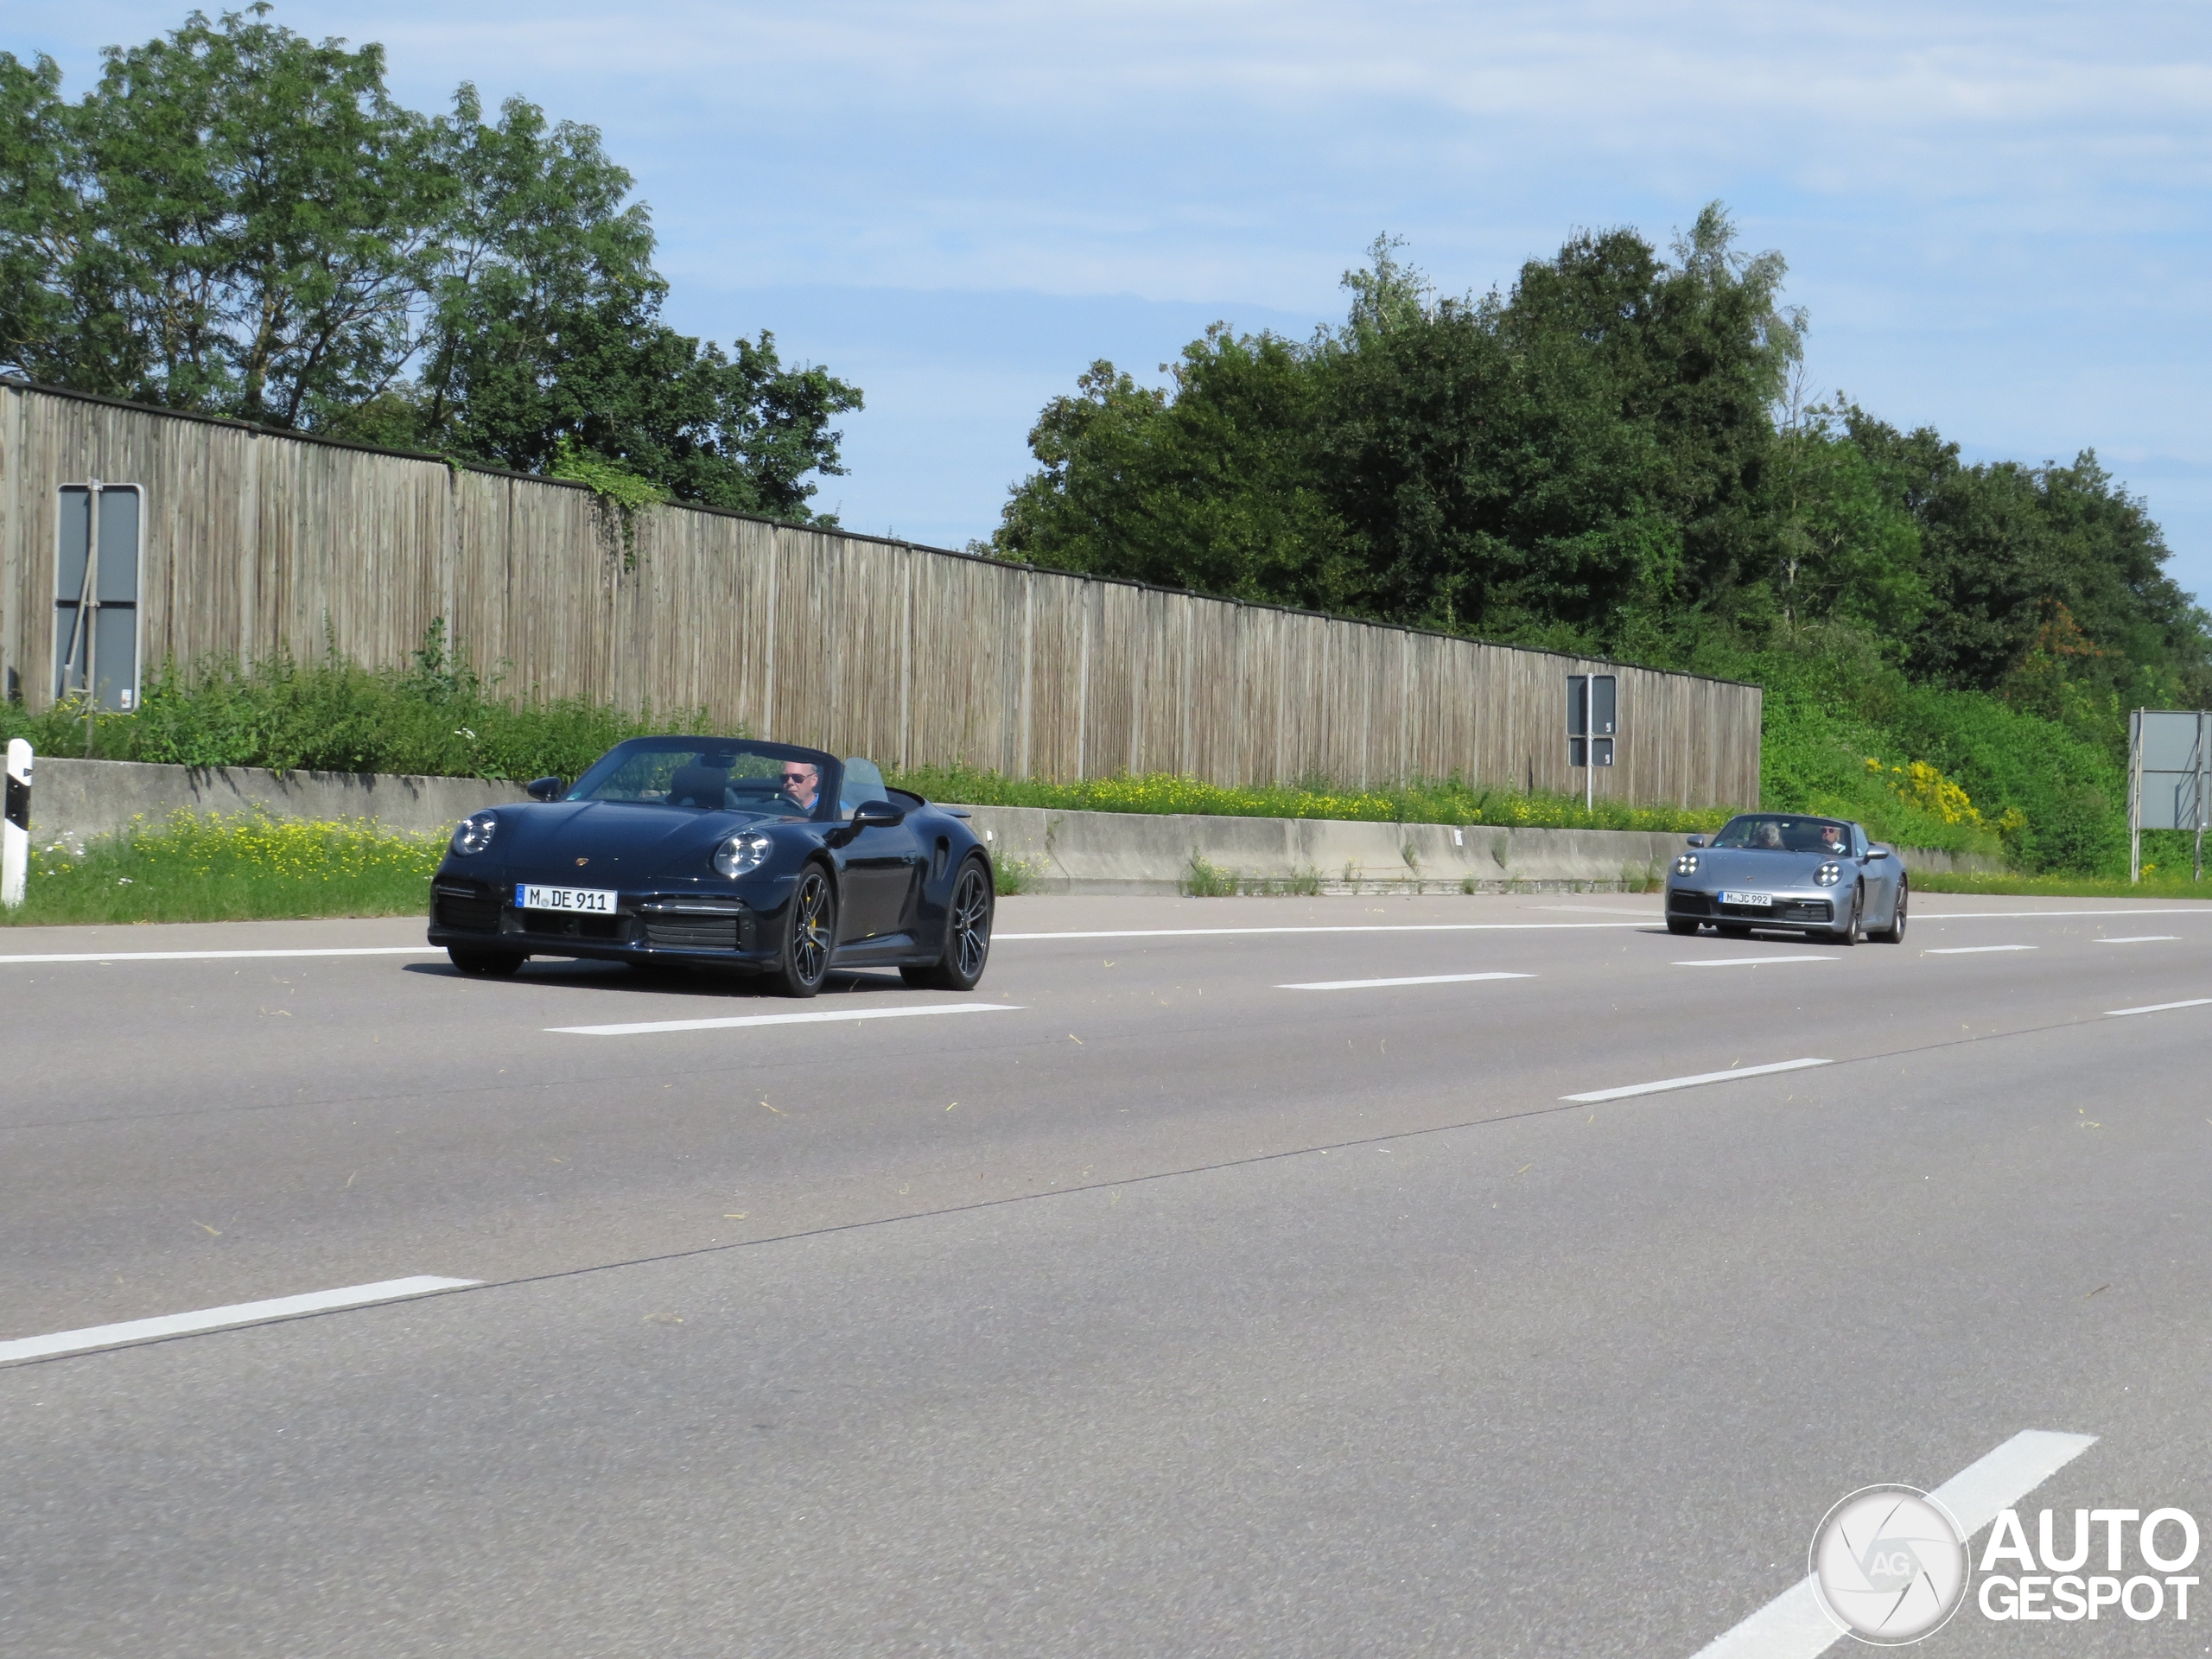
pixel 1448 802
pixel 2157 884
pixel 214 867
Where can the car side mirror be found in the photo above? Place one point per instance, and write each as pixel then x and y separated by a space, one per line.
pixel 1697 841
pixel 546 789
pixel 1877 852
pixel 868 814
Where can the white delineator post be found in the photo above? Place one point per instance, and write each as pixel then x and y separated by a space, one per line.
pixel 15 838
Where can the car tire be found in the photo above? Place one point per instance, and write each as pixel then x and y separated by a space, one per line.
pixel 810 934
pixel 968 917
pixel 1854 927
pixel 1680 925
pixel 1894 933
pixel 485 964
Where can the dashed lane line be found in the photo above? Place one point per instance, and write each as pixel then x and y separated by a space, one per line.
pixel 1377 984
pixel 644 1027
pixel 1794 1625
pixel 1744 961
pixel 223 956
pixel 1665 1084
pixel 2142 939
pixel 1975 950
pixel 219 1319
pixel 2159 1007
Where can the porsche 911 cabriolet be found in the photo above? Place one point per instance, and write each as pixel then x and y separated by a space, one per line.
pixel 784 861
pixel 1791 872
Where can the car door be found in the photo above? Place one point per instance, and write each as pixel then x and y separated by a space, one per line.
pixel 879 867
pixel 1880 876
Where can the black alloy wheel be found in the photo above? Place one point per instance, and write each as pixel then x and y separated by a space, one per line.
pixel 1894 933
pixel 486 965
pixel 1681 925
pixel 967 934
pixel 810 934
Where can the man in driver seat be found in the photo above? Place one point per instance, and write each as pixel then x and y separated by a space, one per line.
pixel 803 783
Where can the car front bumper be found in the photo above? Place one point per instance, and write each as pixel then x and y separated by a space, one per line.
pixel 1798 909
pixel 735 929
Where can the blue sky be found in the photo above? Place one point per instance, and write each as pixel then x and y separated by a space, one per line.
pixel 1995 214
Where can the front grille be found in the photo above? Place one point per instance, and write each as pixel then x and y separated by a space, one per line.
pixel 552 925
pixel 464 905
pixel 694 924
pixel 1690 904
pixel 1790 911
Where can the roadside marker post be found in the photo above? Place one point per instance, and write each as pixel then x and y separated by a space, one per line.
pixel 15 838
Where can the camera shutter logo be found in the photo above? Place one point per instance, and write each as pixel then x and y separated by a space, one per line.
pixel 1889 1565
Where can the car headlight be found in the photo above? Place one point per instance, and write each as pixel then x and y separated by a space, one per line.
pixel 474 834
pixel 741 853
pixel 1828 875
pixel 1685 865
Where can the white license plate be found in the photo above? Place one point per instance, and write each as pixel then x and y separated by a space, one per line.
pixel 577 901
pixel 1758 901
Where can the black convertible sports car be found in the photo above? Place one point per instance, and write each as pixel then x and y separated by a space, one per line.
pixel 766 857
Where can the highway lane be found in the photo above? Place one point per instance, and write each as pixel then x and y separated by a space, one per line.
pixel 1042 1280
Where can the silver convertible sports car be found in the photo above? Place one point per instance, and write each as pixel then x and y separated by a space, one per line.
pixel 1792 873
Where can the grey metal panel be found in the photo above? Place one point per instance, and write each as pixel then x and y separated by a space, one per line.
pixel 118 572
pixel 2170 740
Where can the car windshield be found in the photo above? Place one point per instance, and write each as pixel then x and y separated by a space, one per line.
pixel 719 774
pixel 1774 832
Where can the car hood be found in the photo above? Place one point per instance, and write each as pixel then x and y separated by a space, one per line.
pixel 613 842
pixel 1754 868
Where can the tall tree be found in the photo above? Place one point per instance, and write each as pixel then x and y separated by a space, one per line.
pixel 240 221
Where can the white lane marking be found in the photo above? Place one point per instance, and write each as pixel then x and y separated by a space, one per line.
pixel 1975 950
pixel 1424 979
pixel 643 1027
pixel 2142 939
pixel 1652 921
pixel 1744 962
pixel 2160 1007
pixel 218 1319
pixel 218 955
pixel 1795 1626
pixel 1666 1084
pixel 1978 915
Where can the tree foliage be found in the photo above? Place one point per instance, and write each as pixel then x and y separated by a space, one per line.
pixel 239 220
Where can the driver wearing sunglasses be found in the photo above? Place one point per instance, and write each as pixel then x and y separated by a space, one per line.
pixel 803 783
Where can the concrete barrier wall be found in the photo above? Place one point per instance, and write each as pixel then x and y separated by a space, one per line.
pixel 73 801
pixel 1129 852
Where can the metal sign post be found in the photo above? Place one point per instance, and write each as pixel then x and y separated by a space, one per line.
pixel 16 834
pixel 2169 779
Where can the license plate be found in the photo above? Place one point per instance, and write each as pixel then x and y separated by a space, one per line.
pixel 577 901
pixel 1757 900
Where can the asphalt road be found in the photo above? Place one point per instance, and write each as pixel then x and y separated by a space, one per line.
pixel 1159 1307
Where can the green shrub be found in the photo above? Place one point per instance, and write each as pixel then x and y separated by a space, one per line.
pixel 436 716
pixel 242 866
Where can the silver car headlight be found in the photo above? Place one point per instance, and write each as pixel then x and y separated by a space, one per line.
pixel 1828 875
pixel 1685 865
pixel 473 834
pixel 741 853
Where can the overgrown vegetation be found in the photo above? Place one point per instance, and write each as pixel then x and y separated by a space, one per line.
pixel 239 220
pixel 1418 802
pixel 1618 456
pixel 214 867
pixel 438 716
